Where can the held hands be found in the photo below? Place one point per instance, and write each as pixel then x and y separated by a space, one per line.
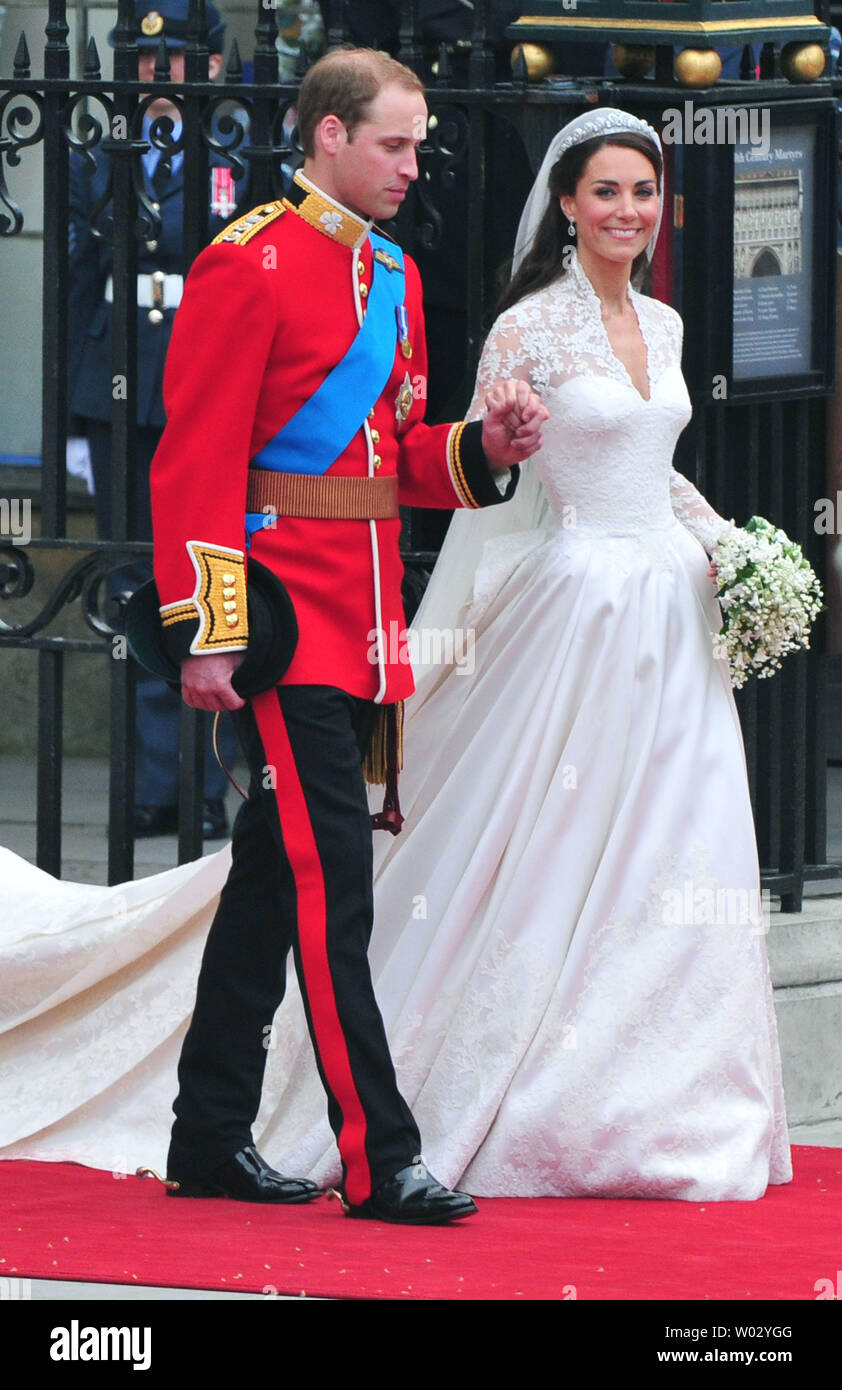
pixel 206 681
pixel 511 430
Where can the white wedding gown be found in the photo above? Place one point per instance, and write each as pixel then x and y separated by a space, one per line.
pixel 568 947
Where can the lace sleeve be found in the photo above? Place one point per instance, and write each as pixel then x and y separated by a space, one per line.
pixel 697 515
pixel 505 357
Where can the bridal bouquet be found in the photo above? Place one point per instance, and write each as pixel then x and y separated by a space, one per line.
pixel 769 595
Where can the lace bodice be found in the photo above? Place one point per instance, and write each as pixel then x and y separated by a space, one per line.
pixel 607 455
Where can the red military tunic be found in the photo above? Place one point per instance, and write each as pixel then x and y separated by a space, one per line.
pixel 268 311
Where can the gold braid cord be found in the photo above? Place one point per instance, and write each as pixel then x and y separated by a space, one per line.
pixel 456 466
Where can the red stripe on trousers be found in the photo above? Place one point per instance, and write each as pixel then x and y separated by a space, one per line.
pixel 303 854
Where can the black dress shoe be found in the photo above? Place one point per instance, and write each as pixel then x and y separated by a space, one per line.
pixel 163 820
pixel 214 820
pixel 247 1178
pixel 154 820
pixel 414 1198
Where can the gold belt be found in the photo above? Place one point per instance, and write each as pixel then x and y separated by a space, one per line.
pixel 321 497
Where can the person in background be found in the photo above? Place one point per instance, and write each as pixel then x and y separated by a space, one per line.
pixel 159 287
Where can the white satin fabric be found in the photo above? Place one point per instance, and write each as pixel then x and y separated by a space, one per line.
pixel 568 950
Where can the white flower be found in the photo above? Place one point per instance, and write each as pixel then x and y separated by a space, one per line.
pixel 331 221
pixel 769 597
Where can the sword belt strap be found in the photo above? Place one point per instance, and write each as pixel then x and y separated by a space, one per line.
pixel 321 497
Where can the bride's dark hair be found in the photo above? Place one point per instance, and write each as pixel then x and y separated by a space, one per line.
pixel 545 260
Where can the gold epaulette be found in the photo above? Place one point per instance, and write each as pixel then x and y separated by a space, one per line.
pixel 246 227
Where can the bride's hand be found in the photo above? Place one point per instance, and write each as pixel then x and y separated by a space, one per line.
pixel 512 428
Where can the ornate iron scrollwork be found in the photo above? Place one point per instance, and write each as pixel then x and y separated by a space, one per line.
pixel 16 573
pixel 13 120
pixel 223 132
pixel 82 130
pixel 446 147
pixel 102 609
pixel 84 134
pixel 88 134
pixel 160 136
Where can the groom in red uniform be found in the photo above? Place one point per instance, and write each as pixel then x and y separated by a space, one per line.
pixel 294 391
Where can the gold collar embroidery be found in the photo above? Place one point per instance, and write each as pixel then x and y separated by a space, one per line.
pixel 325 214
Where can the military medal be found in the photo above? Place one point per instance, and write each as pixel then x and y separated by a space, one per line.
pixel 403 330
pixel 222 191
pixel 403 400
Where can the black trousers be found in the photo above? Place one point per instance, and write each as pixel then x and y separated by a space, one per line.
pixel 301 877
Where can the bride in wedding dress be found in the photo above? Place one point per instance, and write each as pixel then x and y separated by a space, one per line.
pixel 569 945
pixel 584 1005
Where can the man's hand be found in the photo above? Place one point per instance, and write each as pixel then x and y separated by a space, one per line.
pixel 206 681
pixel 511 430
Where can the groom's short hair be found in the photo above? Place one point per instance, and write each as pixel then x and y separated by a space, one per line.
pixel 344 83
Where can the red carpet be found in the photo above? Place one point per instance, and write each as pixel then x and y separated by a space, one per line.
pixel 61 1221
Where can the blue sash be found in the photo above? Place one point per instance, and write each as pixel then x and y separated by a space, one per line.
pixel 321 430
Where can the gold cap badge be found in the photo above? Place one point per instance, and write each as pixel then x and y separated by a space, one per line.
pixel 152 24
